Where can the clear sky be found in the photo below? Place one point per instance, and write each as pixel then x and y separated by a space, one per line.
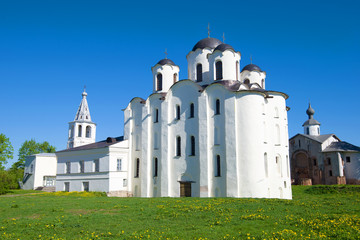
pixel 50 49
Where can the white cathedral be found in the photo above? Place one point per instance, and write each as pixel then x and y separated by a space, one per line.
pixel 219 133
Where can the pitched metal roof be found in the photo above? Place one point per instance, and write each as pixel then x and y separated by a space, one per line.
pixel 319 138
pixel 207 43
pixel 105 143
pixel 341 147
pixel 311 121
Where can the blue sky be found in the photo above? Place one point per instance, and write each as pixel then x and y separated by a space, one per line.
pixel 50 49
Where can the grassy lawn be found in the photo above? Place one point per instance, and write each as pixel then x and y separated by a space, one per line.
pixel 319 212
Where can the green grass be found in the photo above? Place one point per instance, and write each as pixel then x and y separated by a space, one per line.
pixel 21 192
pixel 318 212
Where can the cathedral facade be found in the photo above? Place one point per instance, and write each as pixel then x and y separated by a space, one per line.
pixel 219 133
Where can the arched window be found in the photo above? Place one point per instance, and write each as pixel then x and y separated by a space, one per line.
pixel 237 70
pixel 277 131
pixel 177 112
pixel 155 167
pixel 218 166
pixel 307 131
pixel 246 81
pixel 79 131
pixel 175 77
pixel 159 82
pixel 219 70
pixel 199 72
pixel 278 164
pixel 266 165
pixel 192 140
pixel 262 83
pixel 156 117
pixel 178 146
pixel 137 169
pixel 88 132
pixel 217 107
pixel 192 110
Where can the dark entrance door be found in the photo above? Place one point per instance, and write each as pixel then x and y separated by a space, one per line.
pixel 185 189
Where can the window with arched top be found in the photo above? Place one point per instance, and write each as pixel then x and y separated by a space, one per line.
pixel 266 165
pixel 159 82
pixel 199 72
pixel 88 132
pixel 178 146
pixel 237 70
pixel 155 167
pixel 219 70
pixel 156 115
pixel 192 110
pixel 218 166
pixel 137 169
pixel 175 77
pixel 247 81
pixel 192 150
pixel 217 107
pixel 79 131
pixel 177 116
pixel 262 83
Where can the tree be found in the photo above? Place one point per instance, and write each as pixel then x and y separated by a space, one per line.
pixel 29 148
pixel 6 151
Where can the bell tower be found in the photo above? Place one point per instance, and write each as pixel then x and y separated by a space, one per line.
pixel 82 130
pixel 311 126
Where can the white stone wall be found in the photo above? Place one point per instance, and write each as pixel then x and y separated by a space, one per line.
pixel 229 60
pixel 254 77
pixel 167 72
pixel 200 56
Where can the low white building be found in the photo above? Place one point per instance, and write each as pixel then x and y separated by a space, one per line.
pixel 40 171
pixel 219 133
pixel 322 159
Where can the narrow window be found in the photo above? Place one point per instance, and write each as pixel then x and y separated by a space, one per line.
pixel 262 83
pixel 88 132
pixel 299 143
pixel 96 165
pixel 348 159
pixel 85 186
pixel 124 182
pixel 79 131
pixel 192 110
pixel 266 165
pixel 81 163
pixel 277 129
pixel 247 81
pixel 137 169
pixel 330 173
pixel 199 73
pixel 218 166
pixel 329 161
pixel 177 112
pixel 31 168
pixel 237 70
pixel 156 117
pixel 192 140
pixel 67 167
pixel 315 163
pixel 175 77
pixel 307 131
pixel 318 130
pixel 178 146
pixel 217 107
pixel 118 164
pixel 219 70
pixel 155 167
pixel 159 82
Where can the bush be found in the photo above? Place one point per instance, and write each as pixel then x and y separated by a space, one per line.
pixel 4 182
pixel 331 189
pixel 9 180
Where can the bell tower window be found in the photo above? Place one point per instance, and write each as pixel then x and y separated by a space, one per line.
pixel 79 131
pixel 219 70
pixel 199 72
pixel 159 82
pixel 175 77
pixel 88 132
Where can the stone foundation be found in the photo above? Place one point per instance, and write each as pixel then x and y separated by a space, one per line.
pixel 119 194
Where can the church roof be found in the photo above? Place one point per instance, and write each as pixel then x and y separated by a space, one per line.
pixel 207 43
pixel 311 121
pixel 222 47
pixel 341 147
pixel 166 61
pixel 251 67
pixel 105 143
pixel 318 138
pixel 83 112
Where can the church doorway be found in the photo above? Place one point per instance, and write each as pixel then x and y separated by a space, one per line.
pixel 185 189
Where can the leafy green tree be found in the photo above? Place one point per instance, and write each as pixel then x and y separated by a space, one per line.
pixel 29 148
pixel 6 151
